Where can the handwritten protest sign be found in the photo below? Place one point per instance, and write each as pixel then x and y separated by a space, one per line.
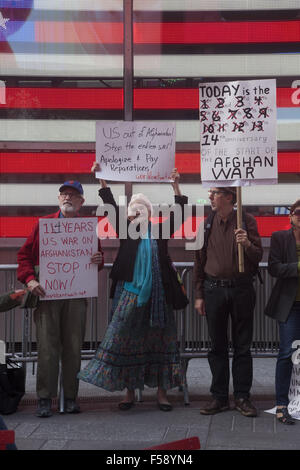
pixel 294 394
pixel 238 133
pixel 66 248
pixel 135 151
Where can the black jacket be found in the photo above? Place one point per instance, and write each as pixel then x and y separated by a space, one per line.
pixel 123 266
pixel 283 264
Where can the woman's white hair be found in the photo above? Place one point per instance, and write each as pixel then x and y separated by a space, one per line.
pixel 136 200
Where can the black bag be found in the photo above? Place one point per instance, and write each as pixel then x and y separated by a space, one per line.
pixel 178 293
pixel 12 387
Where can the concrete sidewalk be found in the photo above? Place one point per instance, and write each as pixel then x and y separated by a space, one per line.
pixel 101 426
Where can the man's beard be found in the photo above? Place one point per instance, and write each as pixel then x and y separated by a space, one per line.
pixel 68 208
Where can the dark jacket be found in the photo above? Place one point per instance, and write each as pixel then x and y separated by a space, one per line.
pixel 8 301
pixel 283 264
pixel 123 266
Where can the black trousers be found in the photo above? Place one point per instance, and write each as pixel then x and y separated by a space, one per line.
pixel 238 303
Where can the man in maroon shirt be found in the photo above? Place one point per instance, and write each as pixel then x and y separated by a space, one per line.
pixel 221 291
pixel 60 324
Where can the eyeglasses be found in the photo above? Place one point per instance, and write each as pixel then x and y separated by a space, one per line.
pixel 71 195
pixel 296 212
pixel 212 193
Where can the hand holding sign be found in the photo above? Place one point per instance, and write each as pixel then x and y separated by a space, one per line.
pixel 97 169
pixel 35 288
pixel 242 238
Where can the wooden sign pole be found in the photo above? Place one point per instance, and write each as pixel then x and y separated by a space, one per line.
pixel 240 225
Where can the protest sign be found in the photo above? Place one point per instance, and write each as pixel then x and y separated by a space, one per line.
pixel 66 248
pixel 135 150
pixel 294 394
pixel 238 133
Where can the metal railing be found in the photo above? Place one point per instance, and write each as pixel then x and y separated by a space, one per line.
pixel 194 339
pixel 18 331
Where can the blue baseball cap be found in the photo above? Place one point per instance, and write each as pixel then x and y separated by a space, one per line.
pixel 72 184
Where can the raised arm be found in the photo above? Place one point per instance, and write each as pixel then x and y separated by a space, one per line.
pixel 94 169
pixel 108 198
pixel 175 177
pixel 173 223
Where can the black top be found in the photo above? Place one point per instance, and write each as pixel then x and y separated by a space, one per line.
pixel 123 267
pixel 283 264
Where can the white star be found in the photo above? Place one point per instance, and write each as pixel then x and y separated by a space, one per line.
pixel 3 21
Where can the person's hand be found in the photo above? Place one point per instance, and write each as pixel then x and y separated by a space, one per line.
pixel 35 288
pixel 200 306
pixel 96 167
pixel 175 177
pixel 18 295
pixel 241 237
pixel 97 258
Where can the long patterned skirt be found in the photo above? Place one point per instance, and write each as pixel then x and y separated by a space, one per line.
pixel 133 354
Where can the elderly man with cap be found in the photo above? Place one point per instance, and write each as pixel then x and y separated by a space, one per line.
pixel 60 324
pixel 221 291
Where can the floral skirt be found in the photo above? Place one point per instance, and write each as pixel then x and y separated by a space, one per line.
pixel 133 354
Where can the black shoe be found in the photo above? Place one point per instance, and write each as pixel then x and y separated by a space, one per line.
pixel 44 408
pixel 125 405
pixel 165 406
pixel 283 416
pixel 71 406
pixel 245 407
pixel 214 406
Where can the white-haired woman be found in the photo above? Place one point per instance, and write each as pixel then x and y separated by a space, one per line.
pixel 140 344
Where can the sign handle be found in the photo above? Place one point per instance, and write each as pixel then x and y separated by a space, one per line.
pixel 240 225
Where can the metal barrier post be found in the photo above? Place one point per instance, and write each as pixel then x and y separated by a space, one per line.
pixel 61 396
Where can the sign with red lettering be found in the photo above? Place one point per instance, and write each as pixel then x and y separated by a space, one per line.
pixel 238 133
pixel 66 248
pixel 135 150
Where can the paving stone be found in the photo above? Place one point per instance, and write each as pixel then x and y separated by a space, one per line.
pixel 175 433
pixel 25 429
pixel 29 444
pixel 53 444
pixel 92 431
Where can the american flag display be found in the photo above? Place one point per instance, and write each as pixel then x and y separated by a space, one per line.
pixel 61 69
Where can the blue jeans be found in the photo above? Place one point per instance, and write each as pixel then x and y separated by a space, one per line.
pixel 289 331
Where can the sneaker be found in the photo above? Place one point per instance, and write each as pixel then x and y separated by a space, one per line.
pixel 44 408
pixel 245 407
pixel 214 406
pixel 71 406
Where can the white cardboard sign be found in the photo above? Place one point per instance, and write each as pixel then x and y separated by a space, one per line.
pixel 294 394
pixel 238 133
pixel 135 150
pixel 66 248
